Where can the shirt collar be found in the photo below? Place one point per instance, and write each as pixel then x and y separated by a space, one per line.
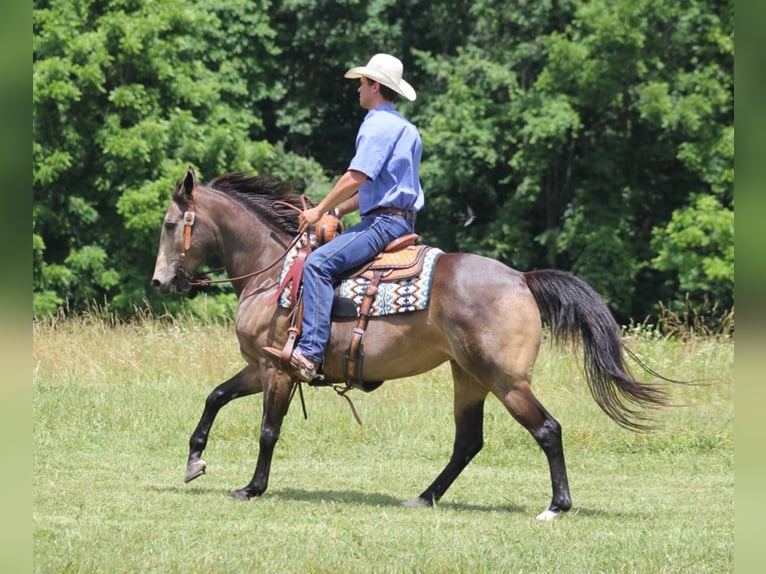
pixel 387 107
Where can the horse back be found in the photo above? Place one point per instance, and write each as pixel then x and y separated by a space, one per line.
pixel 477 284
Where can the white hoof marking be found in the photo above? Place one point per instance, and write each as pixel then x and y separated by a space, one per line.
pixel 548 515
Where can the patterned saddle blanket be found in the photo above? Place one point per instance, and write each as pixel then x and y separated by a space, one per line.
pixel 405 284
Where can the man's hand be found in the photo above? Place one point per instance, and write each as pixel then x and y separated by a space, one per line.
pixel 309 217
pixel 344 189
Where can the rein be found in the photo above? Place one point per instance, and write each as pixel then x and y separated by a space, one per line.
pixel 190 218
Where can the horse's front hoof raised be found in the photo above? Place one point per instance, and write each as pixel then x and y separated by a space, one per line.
pixel 195 469
pixel 417 502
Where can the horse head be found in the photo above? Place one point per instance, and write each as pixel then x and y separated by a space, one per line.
pixel 184 242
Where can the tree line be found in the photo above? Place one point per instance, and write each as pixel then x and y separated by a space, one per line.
pixel 595 136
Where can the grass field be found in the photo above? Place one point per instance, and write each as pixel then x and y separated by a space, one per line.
pixel 115 404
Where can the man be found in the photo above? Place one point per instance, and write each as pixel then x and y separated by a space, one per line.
pixel 382 181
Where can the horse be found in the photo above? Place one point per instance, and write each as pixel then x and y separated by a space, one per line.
pixel 484 317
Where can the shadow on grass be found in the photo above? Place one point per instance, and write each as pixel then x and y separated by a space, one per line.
pixel 377 499
pixel 363 498
pixel 338 496
pixel 345 496
pixel 193 490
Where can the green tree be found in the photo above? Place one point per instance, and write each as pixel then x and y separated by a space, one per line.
pixel 574 130
pixel 583 135
pixel 126 94
pixel 697 248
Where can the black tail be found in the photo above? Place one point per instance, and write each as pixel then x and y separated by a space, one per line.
pixel 574 310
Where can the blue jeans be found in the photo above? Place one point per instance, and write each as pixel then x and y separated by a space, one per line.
pixel 329 262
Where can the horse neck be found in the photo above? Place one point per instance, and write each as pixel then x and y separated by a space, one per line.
pixel 245 240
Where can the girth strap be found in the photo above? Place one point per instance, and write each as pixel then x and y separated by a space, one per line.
pixel 352 368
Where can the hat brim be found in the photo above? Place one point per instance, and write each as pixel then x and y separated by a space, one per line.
pixel 403 88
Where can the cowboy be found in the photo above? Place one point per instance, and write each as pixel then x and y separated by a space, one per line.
pixel 382 182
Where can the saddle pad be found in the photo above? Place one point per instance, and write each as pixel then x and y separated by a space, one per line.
pixel 398 296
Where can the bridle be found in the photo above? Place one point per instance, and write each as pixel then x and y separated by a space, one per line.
pixel 190 218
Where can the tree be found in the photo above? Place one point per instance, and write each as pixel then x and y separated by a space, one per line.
pixel 126 94
pixel 579 134
pixel 583 135
pixel 697 248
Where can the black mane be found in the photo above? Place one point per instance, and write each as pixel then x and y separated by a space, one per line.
pixel 258 193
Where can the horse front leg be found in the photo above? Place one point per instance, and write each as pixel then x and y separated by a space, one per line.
pixel 469 397
pixel 244 383
pixel 276 399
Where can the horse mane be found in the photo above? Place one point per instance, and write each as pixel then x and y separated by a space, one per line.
pixel 259 192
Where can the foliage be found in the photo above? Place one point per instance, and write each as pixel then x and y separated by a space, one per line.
pixel 697 245
pixel 577 136
pixel 126 94
pixel 587 136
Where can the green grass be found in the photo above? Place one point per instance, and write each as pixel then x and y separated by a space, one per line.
pixel 114 406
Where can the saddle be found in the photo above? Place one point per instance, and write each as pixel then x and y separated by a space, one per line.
pixel 401 259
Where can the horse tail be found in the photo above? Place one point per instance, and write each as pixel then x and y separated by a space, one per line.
pixel 574 309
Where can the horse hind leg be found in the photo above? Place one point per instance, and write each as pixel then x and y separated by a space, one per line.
pixel 527 410
pixel 469 397
pixel 245 382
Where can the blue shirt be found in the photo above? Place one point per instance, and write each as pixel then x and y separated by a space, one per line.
pixel 388 150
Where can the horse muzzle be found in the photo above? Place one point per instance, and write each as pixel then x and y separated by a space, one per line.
pixel 171 279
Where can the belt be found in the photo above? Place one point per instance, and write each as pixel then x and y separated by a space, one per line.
pixel 409 215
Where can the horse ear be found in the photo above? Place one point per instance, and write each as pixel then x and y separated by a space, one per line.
pixel 189 182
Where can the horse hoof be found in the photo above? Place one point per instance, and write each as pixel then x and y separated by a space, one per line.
pixel 417 502
pixel 241 494
pixel 195 469
pixel 549 515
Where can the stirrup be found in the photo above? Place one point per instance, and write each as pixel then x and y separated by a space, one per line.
pixel 303 367
pixel 297 365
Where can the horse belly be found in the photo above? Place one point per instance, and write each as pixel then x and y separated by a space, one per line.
pixel 394 347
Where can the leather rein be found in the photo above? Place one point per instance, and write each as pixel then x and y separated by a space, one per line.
pixel 190 217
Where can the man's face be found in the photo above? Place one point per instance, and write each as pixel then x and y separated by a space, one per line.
pixel 366 93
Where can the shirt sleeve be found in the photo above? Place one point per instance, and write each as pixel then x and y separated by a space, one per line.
pixel 374 144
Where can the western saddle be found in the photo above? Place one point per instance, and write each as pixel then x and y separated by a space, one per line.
pixel 401 259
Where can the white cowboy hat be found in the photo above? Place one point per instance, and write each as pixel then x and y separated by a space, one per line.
pixel 386 70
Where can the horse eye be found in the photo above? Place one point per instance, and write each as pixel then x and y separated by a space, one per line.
pixel 170 224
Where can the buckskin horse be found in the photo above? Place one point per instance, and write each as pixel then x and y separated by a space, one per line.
pixel 485 318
